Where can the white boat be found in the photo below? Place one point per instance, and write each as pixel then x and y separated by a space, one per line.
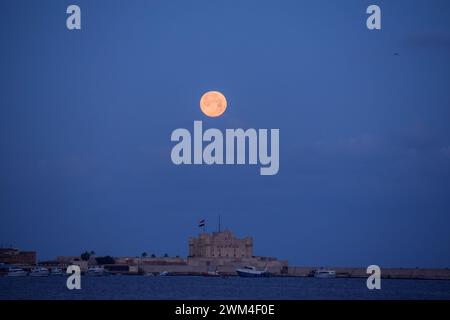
pixel 56 272
pixel 214 273
pixel 252 272
pixel 324 273
pixel 39 272
pixel 164 273
pixel 95 271
pixel 16 272
pixel 211 273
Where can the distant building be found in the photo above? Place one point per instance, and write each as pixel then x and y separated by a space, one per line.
pixel 220 245
pixel 14 256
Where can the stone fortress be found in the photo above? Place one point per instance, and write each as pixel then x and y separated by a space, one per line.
pixel 223 252
pixel 217 251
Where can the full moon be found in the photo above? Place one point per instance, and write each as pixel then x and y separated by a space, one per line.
pixel 213 104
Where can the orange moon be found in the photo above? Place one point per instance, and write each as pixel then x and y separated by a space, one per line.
pixel 213 104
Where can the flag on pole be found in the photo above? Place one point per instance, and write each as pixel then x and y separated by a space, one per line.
pixel 201 223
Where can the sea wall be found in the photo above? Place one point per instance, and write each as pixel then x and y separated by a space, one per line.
pixel 394 273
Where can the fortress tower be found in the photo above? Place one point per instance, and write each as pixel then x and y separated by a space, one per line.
pixel 220 245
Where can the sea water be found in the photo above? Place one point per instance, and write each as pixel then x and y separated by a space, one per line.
pixel 189 287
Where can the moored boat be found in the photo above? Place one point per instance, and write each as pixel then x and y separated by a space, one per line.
pixel 252 272
pixel 96 271
pixel 39 272
pixel 16 272
pixel 214 273
pixel 324 273
pixel 55 271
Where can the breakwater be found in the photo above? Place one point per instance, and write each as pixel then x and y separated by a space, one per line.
pixel 387 273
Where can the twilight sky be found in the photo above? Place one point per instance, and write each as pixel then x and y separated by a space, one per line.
pixel 86 118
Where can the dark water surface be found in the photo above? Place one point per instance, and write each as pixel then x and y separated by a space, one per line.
pixel 140 287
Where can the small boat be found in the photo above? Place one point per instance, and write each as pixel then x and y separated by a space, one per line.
pixel 39 272
pixel 214 273
pixel 324 273
pixel 164 273
pixel 211 273
pixel 56 272
pixel 96 271
pixel 252 272
pixel 16 272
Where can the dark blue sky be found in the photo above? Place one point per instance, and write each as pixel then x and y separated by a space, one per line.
pixel 86 118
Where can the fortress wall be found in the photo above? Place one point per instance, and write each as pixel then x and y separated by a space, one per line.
pixel 224 266
pixel 176 269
